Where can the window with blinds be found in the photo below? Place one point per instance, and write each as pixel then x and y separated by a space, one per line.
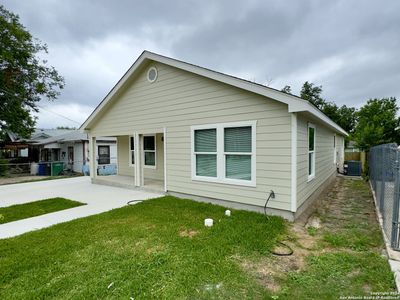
pixel 237 146
pixel 224 153
pixel 205 150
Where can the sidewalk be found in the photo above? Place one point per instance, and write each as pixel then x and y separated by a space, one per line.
pixel 99 199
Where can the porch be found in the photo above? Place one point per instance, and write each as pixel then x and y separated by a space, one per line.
pixel 140 162
pixel 151 185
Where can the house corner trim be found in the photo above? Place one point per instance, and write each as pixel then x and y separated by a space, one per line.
pixel 293 202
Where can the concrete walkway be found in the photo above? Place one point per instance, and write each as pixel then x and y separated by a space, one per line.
pixel 99 199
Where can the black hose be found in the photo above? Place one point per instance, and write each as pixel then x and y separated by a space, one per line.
pixel 272 195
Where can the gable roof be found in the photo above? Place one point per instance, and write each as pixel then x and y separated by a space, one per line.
pixel 295 104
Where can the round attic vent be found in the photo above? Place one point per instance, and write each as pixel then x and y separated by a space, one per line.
pixel 152 74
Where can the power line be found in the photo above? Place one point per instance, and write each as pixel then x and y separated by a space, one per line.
pixel 57 114
pixel 50 111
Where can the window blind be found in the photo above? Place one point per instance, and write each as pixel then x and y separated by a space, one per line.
pixel 237 139
pixel 238 167
pixel 205 140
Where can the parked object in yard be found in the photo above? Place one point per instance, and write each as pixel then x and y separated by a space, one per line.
pixel 34 169
pixel 208 222
pixel 352 168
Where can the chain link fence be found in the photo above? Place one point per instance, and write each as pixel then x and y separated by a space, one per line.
pixel 384 176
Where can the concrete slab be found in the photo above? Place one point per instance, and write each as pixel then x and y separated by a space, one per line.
pixel 99 199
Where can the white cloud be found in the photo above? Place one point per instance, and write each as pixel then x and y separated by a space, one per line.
pixel 52 115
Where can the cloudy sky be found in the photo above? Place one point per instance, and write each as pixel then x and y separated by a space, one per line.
pixel 349 47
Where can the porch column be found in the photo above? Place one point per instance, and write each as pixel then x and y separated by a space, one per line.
pixel 92 157
pixel 138 160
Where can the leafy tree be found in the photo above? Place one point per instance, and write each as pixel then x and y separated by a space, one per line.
pixel 287 89
pixel 377 123
pixel 312 93
pixel 24 78
pixel 344 116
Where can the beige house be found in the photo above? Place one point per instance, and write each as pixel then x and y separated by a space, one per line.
pixel 196 133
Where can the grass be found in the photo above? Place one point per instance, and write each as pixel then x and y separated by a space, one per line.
pixel 37 208
pixel 348 261
pixel 331 275
pixel 160 249
pixel 155 249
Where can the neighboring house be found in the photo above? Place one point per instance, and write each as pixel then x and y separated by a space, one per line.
pixel 12 146
pixel 72 149
pixel 201 134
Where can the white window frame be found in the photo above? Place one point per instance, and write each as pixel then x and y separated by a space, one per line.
pixel 155 152
pixel 130 151
pixel 312 175
pixel 221 154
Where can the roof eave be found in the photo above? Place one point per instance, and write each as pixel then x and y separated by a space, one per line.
pixel 295 104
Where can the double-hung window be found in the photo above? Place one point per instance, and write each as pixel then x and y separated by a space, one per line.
pixel 149 151
pixel 131 150
pixel 205 151
pixel 224 153
pixel 311 151
pixel 238 152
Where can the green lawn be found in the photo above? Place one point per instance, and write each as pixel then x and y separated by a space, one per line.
pixel 161 249
pixel 37 208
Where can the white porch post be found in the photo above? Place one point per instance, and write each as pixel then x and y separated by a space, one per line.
pixel 138 159
pixel 165 159
pixel 93 162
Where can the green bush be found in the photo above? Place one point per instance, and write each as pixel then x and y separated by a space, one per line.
pixel 3 167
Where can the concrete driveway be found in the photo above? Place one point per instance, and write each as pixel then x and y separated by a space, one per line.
pixel 99 199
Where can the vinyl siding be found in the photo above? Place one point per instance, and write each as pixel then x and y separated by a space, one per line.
pixel 324 157
pixel 179 99
pixel 123 156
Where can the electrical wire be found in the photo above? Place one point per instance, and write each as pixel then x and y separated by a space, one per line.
pixel 290 252
pixel 45 109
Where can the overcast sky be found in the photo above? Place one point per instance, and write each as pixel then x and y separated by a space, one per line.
pixel 351 48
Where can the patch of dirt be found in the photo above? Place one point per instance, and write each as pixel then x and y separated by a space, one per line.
pixel 334 211
pixel 188 233
pixel 367 289
pixel 154 249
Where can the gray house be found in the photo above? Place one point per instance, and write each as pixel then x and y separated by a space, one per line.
pixel 72 148
pixel 196 133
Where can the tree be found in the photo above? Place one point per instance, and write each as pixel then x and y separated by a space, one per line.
pixel 377 123
pixel 24 78
pixel 312 93
pixel 344 116
pixel 287 89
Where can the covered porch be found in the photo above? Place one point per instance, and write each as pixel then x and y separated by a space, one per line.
pixel 140 162
pixel 152 185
